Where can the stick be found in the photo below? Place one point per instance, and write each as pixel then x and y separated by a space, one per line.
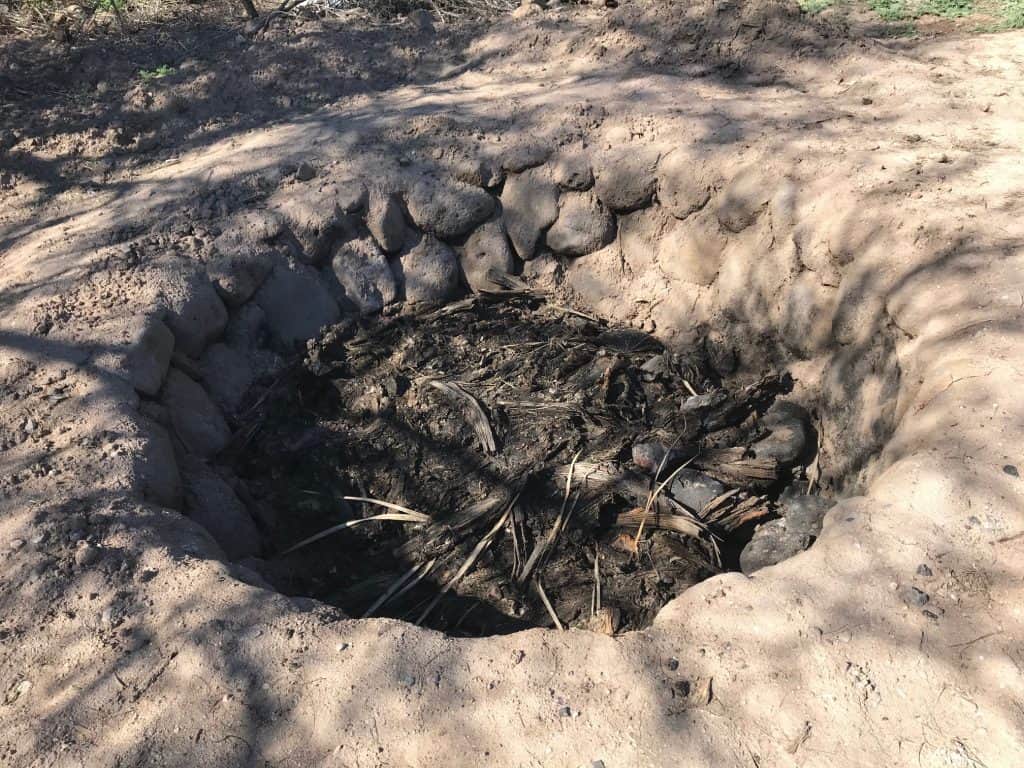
pixel 547 604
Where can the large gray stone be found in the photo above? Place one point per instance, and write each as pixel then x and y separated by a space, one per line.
pixel 684 184
pixel 429 271
pixel 626 179
pixel 149 354
pixel 363 271
pixel 386 221
pixel 795 531
pixel 583 225
pixel 196 421
pixel 296 303
pixel 448 211
pixel 572 171
pixel 238 267
pixel 155 467
pixel 196 315
pixel 313 213
pixel 530 204
pixel 789 435
pixel 487 248
pixel 227 375
pixel 211 502
pixel 694 489
pixel 523 155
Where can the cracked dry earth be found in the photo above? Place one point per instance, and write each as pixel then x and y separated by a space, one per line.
pixel 846 210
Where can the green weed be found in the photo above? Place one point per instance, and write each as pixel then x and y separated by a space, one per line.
pixel 156 73
pixel 816 6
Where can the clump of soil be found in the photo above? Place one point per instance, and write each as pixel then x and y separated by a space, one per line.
pixel 536 439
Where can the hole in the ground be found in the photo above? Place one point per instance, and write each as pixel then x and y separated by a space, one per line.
pixel 573 472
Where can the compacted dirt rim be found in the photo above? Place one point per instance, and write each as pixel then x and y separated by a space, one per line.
pixel 127 640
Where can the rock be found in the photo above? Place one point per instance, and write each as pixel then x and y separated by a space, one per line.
pixel 695 490
pixel 15 544
pixel 804 513
pixel 479 172
pixel 790 432
pixel 626 179
pixel 239 268
pixel 196 420
pixel 296 303
pixel 363 271
pixel 915 597
pixel 149 354
pixel 924 571
pixel 523 155
pixel 487 248
pixel 305 171
pixel 350 194
pixel 227 375
pixel 421 20
pixel 87 554
pixel 573 171
pixel 530 203
pixel 428 271
pixel 583 225
pixel 197 316
pixel 255 225
pixel 691 251
pixel 386 221
pixel 211 502
pixel 448 211
pixel 772 543
pixel 684 184
pixel 314 215
pixel 247 328
pixel 545 271
pixel 742 200
pixel 1011 470
pixel 154 467
pixel 526 8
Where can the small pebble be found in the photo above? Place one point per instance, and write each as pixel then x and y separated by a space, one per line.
pixel 673 664
pixel 1011 470
pixel 915 596
pixel 924 570
pixel 305 171
pixel 16 544
pixel 565 712
pixel 928 614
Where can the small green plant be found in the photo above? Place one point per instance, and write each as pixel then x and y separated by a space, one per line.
pixel 901 10
pixel 1013 14
pixel 813 7
pixel 156 73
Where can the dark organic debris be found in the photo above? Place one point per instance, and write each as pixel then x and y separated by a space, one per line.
pixel 541 467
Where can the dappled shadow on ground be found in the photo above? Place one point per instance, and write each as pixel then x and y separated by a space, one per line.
pixel 192 666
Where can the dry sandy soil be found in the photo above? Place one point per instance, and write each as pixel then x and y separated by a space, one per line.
pixel 847 209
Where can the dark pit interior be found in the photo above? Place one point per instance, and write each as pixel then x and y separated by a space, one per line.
pixel 546 468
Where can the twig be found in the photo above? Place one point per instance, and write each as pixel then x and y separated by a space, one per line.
pixel 547 604
pixel 545 544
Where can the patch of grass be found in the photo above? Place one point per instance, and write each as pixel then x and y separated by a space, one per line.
pixel 903 10
pixel 815 6
pixel 156 73
pixel 1013 14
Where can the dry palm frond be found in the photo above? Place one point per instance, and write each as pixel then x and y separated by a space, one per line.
pixel 400 515
pixel 484 542
pixel 474 412
pixel 545 544
pixel 635 518
pixel 412 574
